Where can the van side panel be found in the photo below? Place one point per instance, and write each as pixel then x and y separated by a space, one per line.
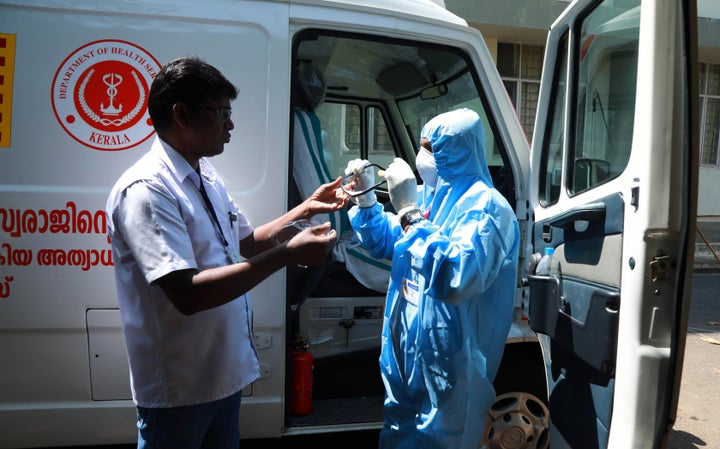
pixel 78 120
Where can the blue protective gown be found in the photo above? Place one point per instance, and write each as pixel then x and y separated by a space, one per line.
pixel 451 294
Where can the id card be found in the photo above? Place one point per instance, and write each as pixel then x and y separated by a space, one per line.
pixel 410 291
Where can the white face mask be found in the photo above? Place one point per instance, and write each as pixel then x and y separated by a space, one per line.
pixel 425 163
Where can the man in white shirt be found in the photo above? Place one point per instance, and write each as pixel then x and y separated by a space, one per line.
pixel 185 258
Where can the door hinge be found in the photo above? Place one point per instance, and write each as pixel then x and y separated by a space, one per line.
pixel 660 266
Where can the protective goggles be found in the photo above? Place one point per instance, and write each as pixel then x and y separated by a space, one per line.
pixel 348 182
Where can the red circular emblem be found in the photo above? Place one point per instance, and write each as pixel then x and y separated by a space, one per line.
pixel 100 92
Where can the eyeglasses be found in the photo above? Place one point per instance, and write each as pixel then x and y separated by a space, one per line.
pixel 222 113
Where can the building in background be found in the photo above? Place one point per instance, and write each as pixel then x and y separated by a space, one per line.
pixel 516 31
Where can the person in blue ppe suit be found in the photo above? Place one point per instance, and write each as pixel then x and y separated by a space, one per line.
pixel 454 247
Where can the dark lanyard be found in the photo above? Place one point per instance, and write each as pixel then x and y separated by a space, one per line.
pixel 211 210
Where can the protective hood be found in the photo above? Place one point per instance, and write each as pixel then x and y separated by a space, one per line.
pixel 458 143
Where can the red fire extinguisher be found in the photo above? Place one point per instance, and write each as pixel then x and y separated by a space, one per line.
pixel 301 382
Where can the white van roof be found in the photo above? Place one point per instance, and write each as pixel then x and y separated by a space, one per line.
pixel 433 9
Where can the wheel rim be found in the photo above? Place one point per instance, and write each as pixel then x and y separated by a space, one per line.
pixel 517 420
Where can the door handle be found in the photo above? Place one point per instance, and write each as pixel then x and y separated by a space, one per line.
pixel 592 212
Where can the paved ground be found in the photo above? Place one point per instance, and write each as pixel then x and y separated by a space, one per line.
pixel 707 248
pixel 698 417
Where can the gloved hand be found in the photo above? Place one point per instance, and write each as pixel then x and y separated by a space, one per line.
pixel 364 177
pixel 402 187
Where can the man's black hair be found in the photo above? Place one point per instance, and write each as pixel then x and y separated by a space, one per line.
pixel 190 81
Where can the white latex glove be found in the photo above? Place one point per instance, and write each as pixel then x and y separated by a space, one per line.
pixel 364 177
pixel 402 187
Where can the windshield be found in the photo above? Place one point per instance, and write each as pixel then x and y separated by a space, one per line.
pixel 460 92
pixel 380 93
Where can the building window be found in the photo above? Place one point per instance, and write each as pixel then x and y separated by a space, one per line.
pixel 709 113
pixel 520 67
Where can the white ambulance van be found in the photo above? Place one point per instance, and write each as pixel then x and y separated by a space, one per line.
pixel 595 354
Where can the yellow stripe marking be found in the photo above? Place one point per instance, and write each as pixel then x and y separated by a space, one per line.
pixel 7 69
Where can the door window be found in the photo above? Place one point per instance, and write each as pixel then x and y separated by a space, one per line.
pixel 343 132
pixel 340 134
pixel 602 110
pixel 379 141
pixel 551 171
pixel 710 114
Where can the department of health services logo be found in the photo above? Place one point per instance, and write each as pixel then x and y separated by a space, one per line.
pixel 100 91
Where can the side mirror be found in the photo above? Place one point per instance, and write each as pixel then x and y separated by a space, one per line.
pixel 589 172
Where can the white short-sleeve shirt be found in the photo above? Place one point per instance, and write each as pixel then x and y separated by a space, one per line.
pixel 159 223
